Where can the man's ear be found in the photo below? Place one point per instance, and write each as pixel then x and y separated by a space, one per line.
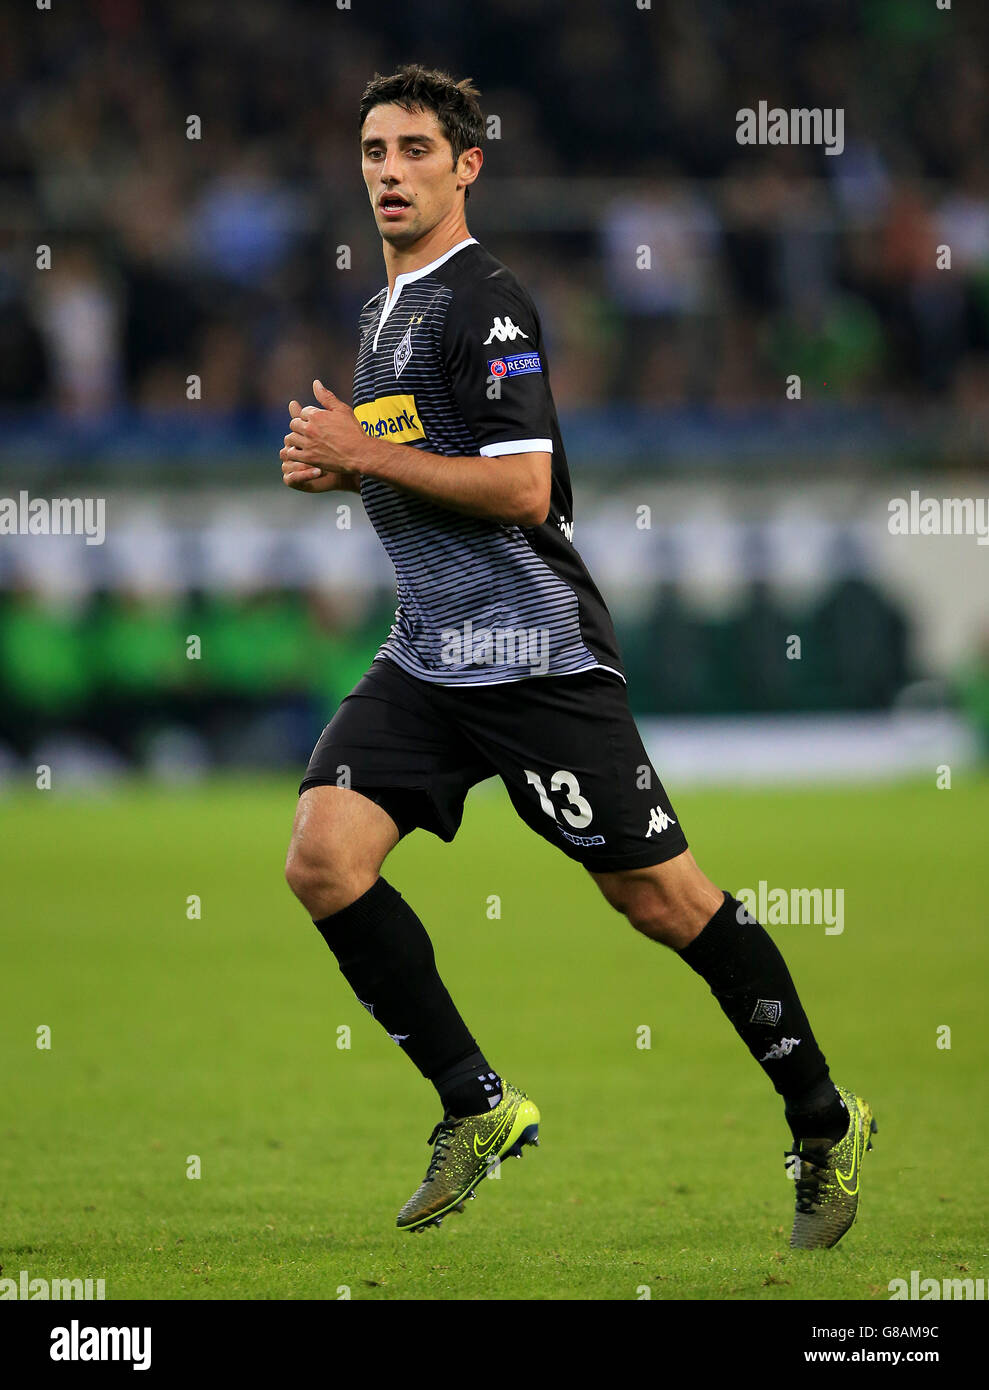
pixel 468 173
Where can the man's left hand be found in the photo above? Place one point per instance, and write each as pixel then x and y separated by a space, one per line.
pixel 325 436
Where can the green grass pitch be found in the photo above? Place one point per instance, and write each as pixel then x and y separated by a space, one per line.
pixel 659 1168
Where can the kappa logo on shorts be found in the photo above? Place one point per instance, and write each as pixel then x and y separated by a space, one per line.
pixel 767 1011
pixel 659 821
pixel 581 840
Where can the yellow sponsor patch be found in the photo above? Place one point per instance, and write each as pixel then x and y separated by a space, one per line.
pixel 391 417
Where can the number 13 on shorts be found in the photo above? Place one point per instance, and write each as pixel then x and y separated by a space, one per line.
pixel 577 813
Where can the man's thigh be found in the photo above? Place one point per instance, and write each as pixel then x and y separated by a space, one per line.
pixel 573 762
pixel 391 741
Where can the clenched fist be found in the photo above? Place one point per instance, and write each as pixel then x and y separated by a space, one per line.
pixel 322 449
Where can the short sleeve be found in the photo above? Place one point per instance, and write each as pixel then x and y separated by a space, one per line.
pixel 493 353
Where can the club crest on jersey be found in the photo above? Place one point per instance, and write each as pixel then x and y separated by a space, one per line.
pixel 403 352
pixel 518 365
pixel 391 417
pixel 504 331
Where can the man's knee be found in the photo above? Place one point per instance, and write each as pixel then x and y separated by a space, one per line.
pixel 323 882
pixel 339 842
pixel 670 903
pixel 658 916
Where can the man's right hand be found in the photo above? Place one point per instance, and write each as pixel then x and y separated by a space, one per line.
pixel 305 478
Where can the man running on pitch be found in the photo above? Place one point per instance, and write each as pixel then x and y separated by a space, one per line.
pixel 502 661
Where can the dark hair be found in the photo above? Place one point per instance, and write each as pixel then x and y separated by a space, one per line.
pixel 417 88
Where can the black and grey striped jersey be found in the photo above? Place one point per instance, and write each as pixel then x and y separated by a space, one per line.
pixel 452 362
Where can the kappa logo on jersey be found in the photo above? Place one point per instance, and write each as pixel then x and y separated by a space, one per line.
pixel 394 417
pixel 505 331
pixel 767 1011
pixel 659 821
pixel 520 365
pixel 403 352
pixel 781 1049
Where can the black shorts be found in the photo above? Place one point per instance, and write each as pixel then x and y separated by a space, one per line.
pixel 566 748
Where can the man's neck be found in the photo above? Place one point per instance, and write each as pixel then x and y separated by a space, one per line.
pixel 436 243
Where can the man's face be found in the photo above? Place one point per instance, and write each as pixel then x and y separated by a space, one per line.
pixel 407 165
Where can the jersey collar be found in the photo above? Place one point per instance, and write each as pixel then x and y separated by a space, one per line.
pixel 410 275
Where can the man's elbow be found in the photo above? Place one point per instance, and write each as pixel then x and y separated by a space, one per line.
pixel 533 512
pixel 534 503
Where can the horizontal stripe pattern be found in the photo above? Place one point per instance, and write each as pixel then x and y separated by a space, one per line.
pixel 457 577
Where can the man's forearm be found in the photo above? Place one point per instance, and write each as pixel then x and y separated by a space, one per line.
pixel 509 488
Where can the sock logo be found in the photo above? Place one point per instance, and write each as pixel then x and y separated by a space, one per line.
pixel 395 1037
pixel 492 1087
pixel 781 1049
pixel 767 1011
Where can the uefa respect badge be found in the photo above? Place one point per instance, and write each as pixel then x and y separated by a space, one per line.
pixel 521 364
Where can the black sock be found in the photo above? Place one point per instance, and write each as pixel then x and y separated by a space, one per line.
pixel 469 1086
pixel 819 1113
pixel 747 975
pixel 386 956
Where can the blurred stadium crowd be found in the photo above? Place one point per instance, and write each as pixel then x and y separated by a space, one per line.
pixel 219 257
